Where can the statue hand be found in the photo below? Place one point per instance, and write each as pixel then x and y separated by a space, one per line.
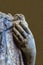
pixel 25 40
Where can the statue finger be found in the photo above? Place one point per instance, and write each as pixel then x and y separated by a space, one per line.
pixel 24 27
pixel 16 32
pixel 16 38
pixel 18 42
pixel 21 30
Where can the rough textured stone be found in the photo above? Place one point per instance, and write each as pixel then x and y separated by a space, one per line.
pixel 16 37
pixel 9 53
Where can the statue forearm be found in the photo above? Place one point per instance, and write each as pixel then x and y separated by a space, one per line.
pixel 30 50
pixel 30 55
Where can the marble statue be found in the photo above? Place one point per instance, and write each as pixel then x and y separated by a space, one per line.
pixel 17 44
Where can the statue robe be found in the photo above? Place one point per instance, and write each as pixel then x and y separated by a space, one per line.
pixel 9 53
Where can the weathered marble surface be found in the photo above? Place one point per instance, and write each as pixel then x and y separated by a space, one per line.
pixel 15 36
pixel 9 53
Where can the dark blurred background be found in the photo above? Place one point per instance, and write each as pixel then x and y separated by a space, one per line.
pixel 33 11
